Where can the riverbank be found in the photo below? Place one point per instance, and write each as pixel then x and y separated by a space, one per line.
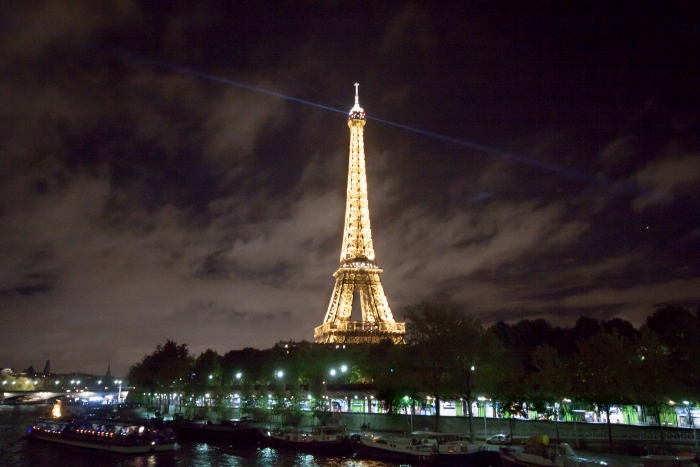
pixel 628 440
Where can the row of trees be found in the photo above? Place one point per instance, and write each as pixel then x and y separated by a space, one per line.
pixel 603 364
pixel 449 354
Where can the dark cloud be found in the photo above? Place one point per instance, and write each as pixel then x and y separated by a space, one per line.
pixel 144 196
pixel 664 180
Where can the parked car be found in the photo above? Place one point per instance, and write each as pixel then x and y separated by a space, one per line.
pixel 500 438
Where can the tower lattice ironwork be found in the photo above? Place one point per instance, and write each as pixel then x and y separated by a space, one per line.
pixel 358 271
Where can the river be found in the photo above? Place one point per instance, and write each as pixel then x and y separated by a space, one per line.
pixel 18 451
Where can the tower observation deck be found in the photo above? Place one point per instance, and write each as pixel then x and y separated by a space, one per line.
pixel 358 271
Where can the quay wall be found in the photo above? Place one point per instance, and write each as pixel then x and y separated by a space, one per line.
pixel 636 440
pixel 627 439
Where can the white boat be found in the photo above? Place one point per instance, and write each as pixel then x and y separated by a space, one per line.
pixel 394 448
pixel 104 435
pixel 537 452
pixel 457 449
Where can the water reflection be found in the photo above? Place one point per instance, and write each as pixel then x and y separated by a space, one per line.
pixel 16 450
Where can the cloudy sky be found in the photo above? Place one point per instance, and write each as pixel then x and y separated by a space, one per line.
pixel 171 171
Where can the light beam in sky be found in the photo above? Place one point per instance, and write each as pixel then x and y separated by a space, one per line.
pixel 544 166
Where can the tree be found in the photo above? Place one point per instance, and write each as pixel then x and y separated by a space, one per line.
pixel 165 369
pixel 526 335
pixel 550 383
pixel 679 330
pixel 207 373
pixel 455 355
pixel 603 372
pixel 313 365
pixel 394 374
pixel 654 382
pixel 474 359
pixel 206 378
pixel 508 381
pixel 622 327
pixel 585 328
pixel 428 335
pixel 675 325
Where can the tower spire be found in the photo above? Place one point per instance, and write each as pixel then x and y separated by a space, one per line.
pixel 358 271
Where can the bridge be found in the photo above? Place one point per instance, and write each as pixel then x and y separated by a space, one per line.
pixel 48 397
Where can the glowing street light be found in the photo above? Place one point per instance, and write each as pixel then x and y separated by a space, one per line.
pixel 238 375
pixel 333 372
pixel 344 368
pixel 280 373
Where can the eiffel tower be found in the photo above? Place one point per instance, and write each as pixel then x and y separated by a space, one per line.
pixel 358 271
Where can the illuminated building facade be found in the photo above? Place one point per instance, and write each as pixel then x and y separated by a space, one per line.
pixel 358 274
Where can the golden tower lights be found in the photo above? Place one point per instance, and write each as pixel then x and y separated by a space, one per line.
pixel 358 271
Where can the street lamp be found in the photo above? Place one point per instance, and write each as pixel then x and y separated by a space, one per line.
pixel 691 420
pixel 408 399
pixel 238 375
pixel 483 401
pixel 575 431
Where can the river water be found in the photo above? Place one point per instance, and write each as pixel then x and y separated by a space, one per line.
pixel 18 451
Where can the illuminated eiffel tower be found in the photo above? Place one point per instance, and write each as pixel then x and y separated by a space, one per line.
pixel 358 271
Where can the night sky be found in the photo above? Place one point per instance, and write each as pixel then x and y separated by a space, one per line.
pixel 524 160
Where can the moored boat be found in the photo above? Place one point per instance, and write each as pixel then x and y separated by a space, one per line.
pixel 104 435
pixel 31 399
pixel 457 449
pixel 327 439
pixel 537 452
pixel 658 460
pixel 394 448
pixel 239 432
